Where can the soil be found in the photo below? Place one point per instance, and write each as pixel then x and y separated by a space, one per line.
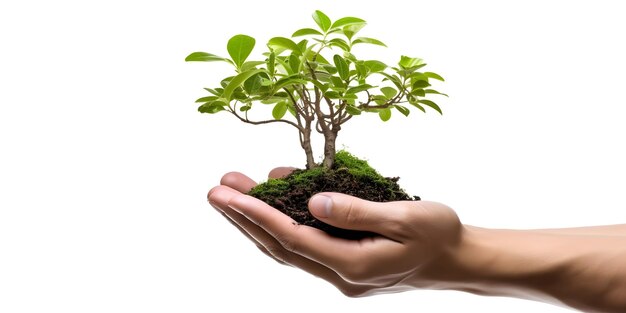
pixel 350 175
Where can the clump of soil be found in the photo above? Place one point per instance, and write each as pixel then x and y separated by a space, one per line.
pixel 350 175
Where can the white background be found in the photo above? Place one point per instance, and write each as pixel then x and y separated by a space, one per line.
pixel 105 162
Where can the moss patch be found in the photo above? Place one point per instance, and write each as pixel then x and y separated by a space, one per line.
pixel 350 175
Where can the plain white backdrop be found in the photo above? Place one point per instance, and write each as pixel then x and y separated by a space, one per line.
pixel 105 162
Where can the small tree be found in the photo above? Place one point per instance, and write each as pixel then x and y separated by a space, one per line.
pixel 318 81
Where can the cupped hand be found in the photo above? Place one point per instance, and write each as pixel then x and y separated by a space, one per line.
pixel 415 237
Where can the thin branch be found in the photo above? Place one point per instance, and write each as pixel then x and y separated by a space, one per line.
pixel 293 100
pixel 345 119
pixel 318 127
pixel 246 120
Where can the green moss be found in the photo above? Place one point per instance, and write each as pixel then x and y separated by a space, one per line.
pixel 350 175
pixel 344 161
pixel 271 188
pixel 360 169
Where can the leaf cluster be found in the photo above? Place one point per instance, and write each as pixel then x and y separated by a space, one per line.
pixel 314 74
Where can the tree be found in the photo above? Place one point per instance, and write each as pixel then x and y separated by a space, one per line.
pixel 318 81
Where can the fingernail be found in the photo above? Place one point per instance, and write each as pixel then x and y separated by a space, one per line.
pixel 320 206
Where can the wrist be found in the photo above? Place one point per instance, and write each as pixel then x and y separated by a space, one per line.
pixel 572 270
pixel 500 263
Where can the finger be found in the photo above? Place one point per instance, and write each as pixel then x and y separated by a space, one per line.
pixel 218 198
pixel 344 211
pixel 268 244
pixel 281 172
pixel 238 181
pixel 271 247
pixel 336 253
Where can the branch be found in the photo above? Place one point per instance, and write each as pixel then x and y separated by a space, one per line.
pixel 347 118
pixel 390 102
pixel 246 120
pixel 293 100
pixel 318 127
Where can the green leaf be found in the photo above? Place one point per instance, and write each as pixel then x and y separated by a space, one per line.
pixel 415 104
pixel 349 97
pixel 375 66
pixel 291 109
pixel 342 67
pixel 330 69
pixel 322 20
pixel 359 88
pixel 216 91
pixel 351 30
pixel 332 94
pixel 368 40
pixel 212 107
pixel 206 99
pixel 384 114
pixel 337 82
pixel 320 86
pixel 352 110
pixel 282 61
pixel 434 75
pixel 271 63
pixel 245 108
pixel 407 62
pixel 394 79
pixel 418 92
pixel 418 84
pixel 418 76
pixel 294 62
pixel 306 31
pixel 239 48
pixel 289 80
pixel 253 84
pixel 361 70
pixel 272 100
pixel 344 21
pixel 319 58
pixel 205 57
pixel 431 104
pixel 302 45
pixel 379 99
pixel 402 110
pixel 237 81
pixel 432 91
pixel 389 92
pixel 250 65
pixel 340 43
pixel 279 110
pixel 284 43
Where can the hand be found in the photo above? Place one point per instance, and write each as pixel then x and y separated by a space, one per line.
pixel 416 237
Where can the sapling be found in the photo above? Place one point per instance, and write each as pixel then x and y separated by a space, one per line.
pixel 316 83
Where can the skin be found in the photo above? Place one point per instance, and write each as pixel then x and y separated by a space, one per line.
pixel 424 245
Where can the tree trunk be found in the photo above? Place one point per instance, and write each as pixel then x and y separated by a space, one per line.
pixel 329 149
pixel 308 150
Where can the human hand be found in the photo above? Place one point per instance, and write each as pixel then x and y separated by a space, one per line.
pixel 416 237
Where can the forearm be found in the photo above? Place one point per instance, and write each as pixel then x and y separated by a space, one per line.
pixel 609 230
pixel 587 272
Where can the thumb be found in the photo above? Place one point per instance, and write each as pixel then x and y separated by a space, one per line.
pixel 350 212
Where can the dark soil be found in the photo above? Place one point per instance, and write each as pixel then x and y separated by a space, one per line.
pixel 350 175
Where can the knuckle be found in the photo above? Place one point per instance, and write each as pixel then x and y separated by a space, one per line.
pixel 288 244
pixel 353 291
pixel 404 219
pixel 357 273
pixel 288 240
pixel 278 253
pixel 352 214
